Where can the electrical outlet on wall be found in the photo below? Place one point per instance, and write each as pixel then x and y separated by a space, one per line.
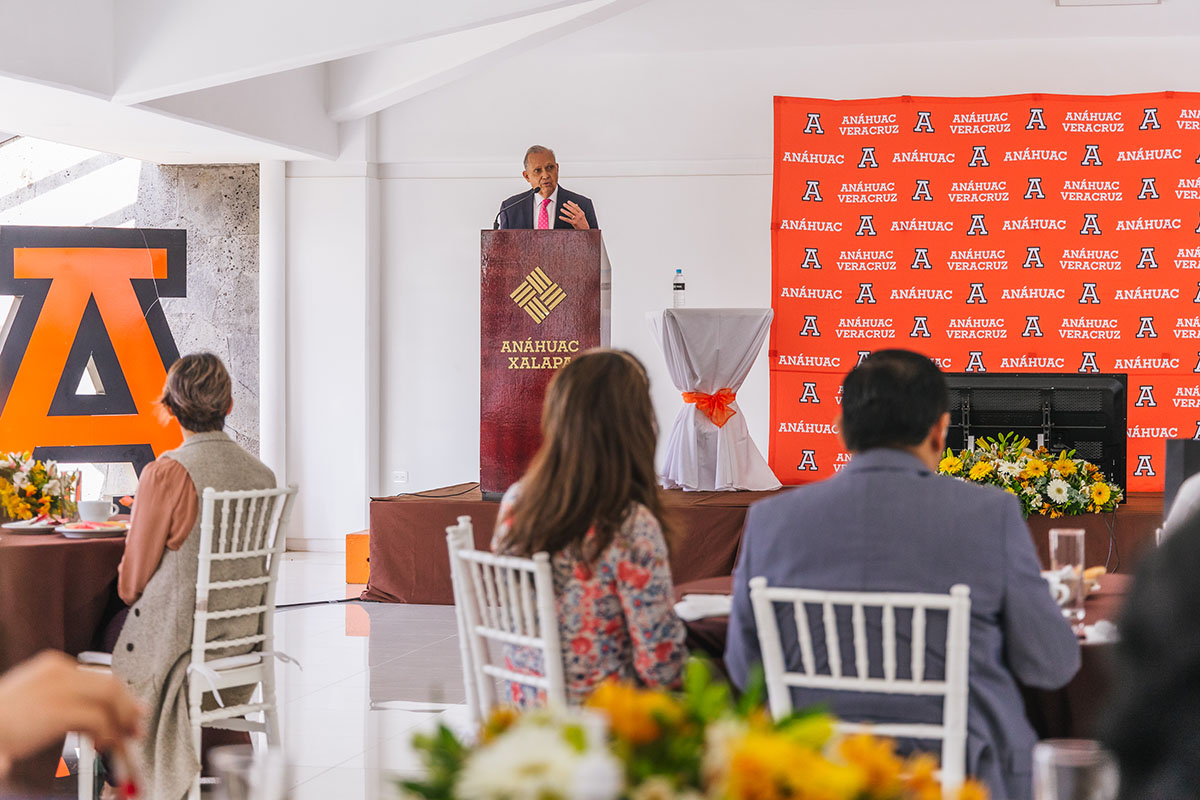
pixel 399 476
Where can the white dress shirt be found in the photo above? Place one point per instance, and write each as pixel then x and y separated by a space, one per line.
pixel 551 210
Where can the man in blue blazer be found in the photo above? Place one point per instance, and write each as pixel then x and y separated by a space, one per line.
pixel 548 205
pixel 889 522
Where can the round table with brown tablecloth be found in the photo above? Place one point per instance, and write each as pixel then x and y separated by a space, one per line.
pixel 54 593
pixel 1067 712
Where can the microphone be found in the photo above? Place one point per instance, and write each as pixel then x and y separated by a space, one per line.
pixel 522 199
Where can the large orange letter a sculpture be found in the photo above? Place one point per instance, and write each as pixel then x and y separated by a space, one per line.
pixel 88 294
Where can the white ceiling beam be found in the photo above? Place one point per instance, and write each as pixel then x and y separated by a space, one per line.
pixel 82 120
pixel 64 45
pixel 362 85
pixel 285 110
pixel 167 48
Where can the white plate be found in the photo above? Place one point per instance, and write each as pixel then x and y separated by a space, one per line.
pixel 17 527
pixel 99 533
pixel 113 534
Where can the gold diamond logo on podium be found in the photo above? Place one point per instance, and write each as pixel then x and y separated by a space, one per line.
pixel 538 295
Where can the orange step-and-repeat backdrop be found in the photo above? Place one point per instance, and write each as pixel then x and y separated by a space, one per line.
pixel 1027 233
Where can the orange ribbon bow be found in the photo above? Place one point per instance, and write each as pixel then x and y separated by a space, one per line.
pixel 714 406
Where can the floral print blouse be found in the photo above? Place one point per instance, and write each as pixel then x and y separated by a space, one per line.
pixel 615 617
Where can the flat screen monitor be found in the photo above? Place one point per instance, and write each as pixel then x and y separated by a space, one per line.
pixel 1084 413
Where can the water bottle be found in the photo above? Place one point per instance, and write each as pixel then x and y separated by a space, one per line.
pixel 677 287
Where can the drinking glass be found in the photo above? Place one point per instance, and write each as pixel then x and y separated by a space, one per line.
pixel 1073 769
pixel 243 774
pixel 1066 559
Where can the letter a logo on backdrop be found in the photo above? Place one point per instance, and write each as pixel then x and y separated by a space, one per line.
pixel 1005 234
pixel 88 296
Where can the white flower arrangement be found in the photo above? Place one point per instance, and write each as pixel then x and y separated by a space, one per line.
pixel 30 488
pixel 1046 483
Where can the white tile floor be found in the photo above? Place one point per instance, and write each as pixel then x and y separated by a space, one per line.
pixel 370 675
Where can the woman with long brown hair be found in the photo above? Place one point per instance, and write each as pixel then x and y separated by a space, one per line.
pixel 590 499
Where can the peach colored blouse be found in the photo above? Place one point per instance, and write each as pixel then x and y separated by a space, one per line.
pixel 165 509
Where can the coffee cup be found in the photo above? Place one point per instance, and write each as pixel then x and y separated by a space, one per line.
pixel 96 510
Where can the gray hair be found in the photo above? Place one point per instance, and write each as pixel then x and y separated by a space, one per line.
pixel 537 148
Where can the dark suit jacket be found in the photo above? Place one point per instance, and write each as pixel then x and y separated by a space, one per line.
pixel 1185 510
pixel 1152 721
pixel 518 210
pixel 886 523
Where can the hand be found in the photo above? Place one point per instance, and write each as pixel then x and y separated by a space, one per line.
pixel 43 698
pixel 573 214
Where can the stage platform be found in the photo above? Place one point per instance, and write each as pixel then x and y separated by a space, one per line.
pixel 408 561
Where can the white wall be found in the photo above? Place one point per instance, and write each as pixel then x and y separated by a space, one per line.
pixel 431 297
pixel 676 151
pixel 332 340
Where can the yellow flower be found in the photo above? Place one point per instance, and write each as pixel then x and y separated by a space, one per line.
pixel 920 777
pixel 634 714
pixel 825 780
pixel 951 465
pixel 760 719
pixel 501 719
pixel 1100 493
pixel 877 759
pixel 756 767
pixel 1065 466
pixel 1035 468
pixel 972 790
pixel 765 765
pixel 981 470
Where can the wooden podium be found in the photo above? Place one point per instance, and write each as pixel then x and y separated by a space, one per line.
pixel 544 297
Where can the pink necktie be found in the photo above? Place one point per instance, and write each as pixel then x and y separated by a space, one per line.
pixel 543 215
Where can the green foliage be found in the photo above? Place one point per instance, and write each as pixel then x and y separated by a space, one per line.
pixel 443 756
pixel 705 699
pixel 755 695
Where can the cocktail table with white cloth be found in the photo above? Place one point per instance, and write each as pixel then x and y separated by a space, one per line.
pixel 709 352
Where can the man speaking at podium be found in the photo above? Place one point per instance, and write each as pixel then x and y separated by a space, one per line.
pixel 548 205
